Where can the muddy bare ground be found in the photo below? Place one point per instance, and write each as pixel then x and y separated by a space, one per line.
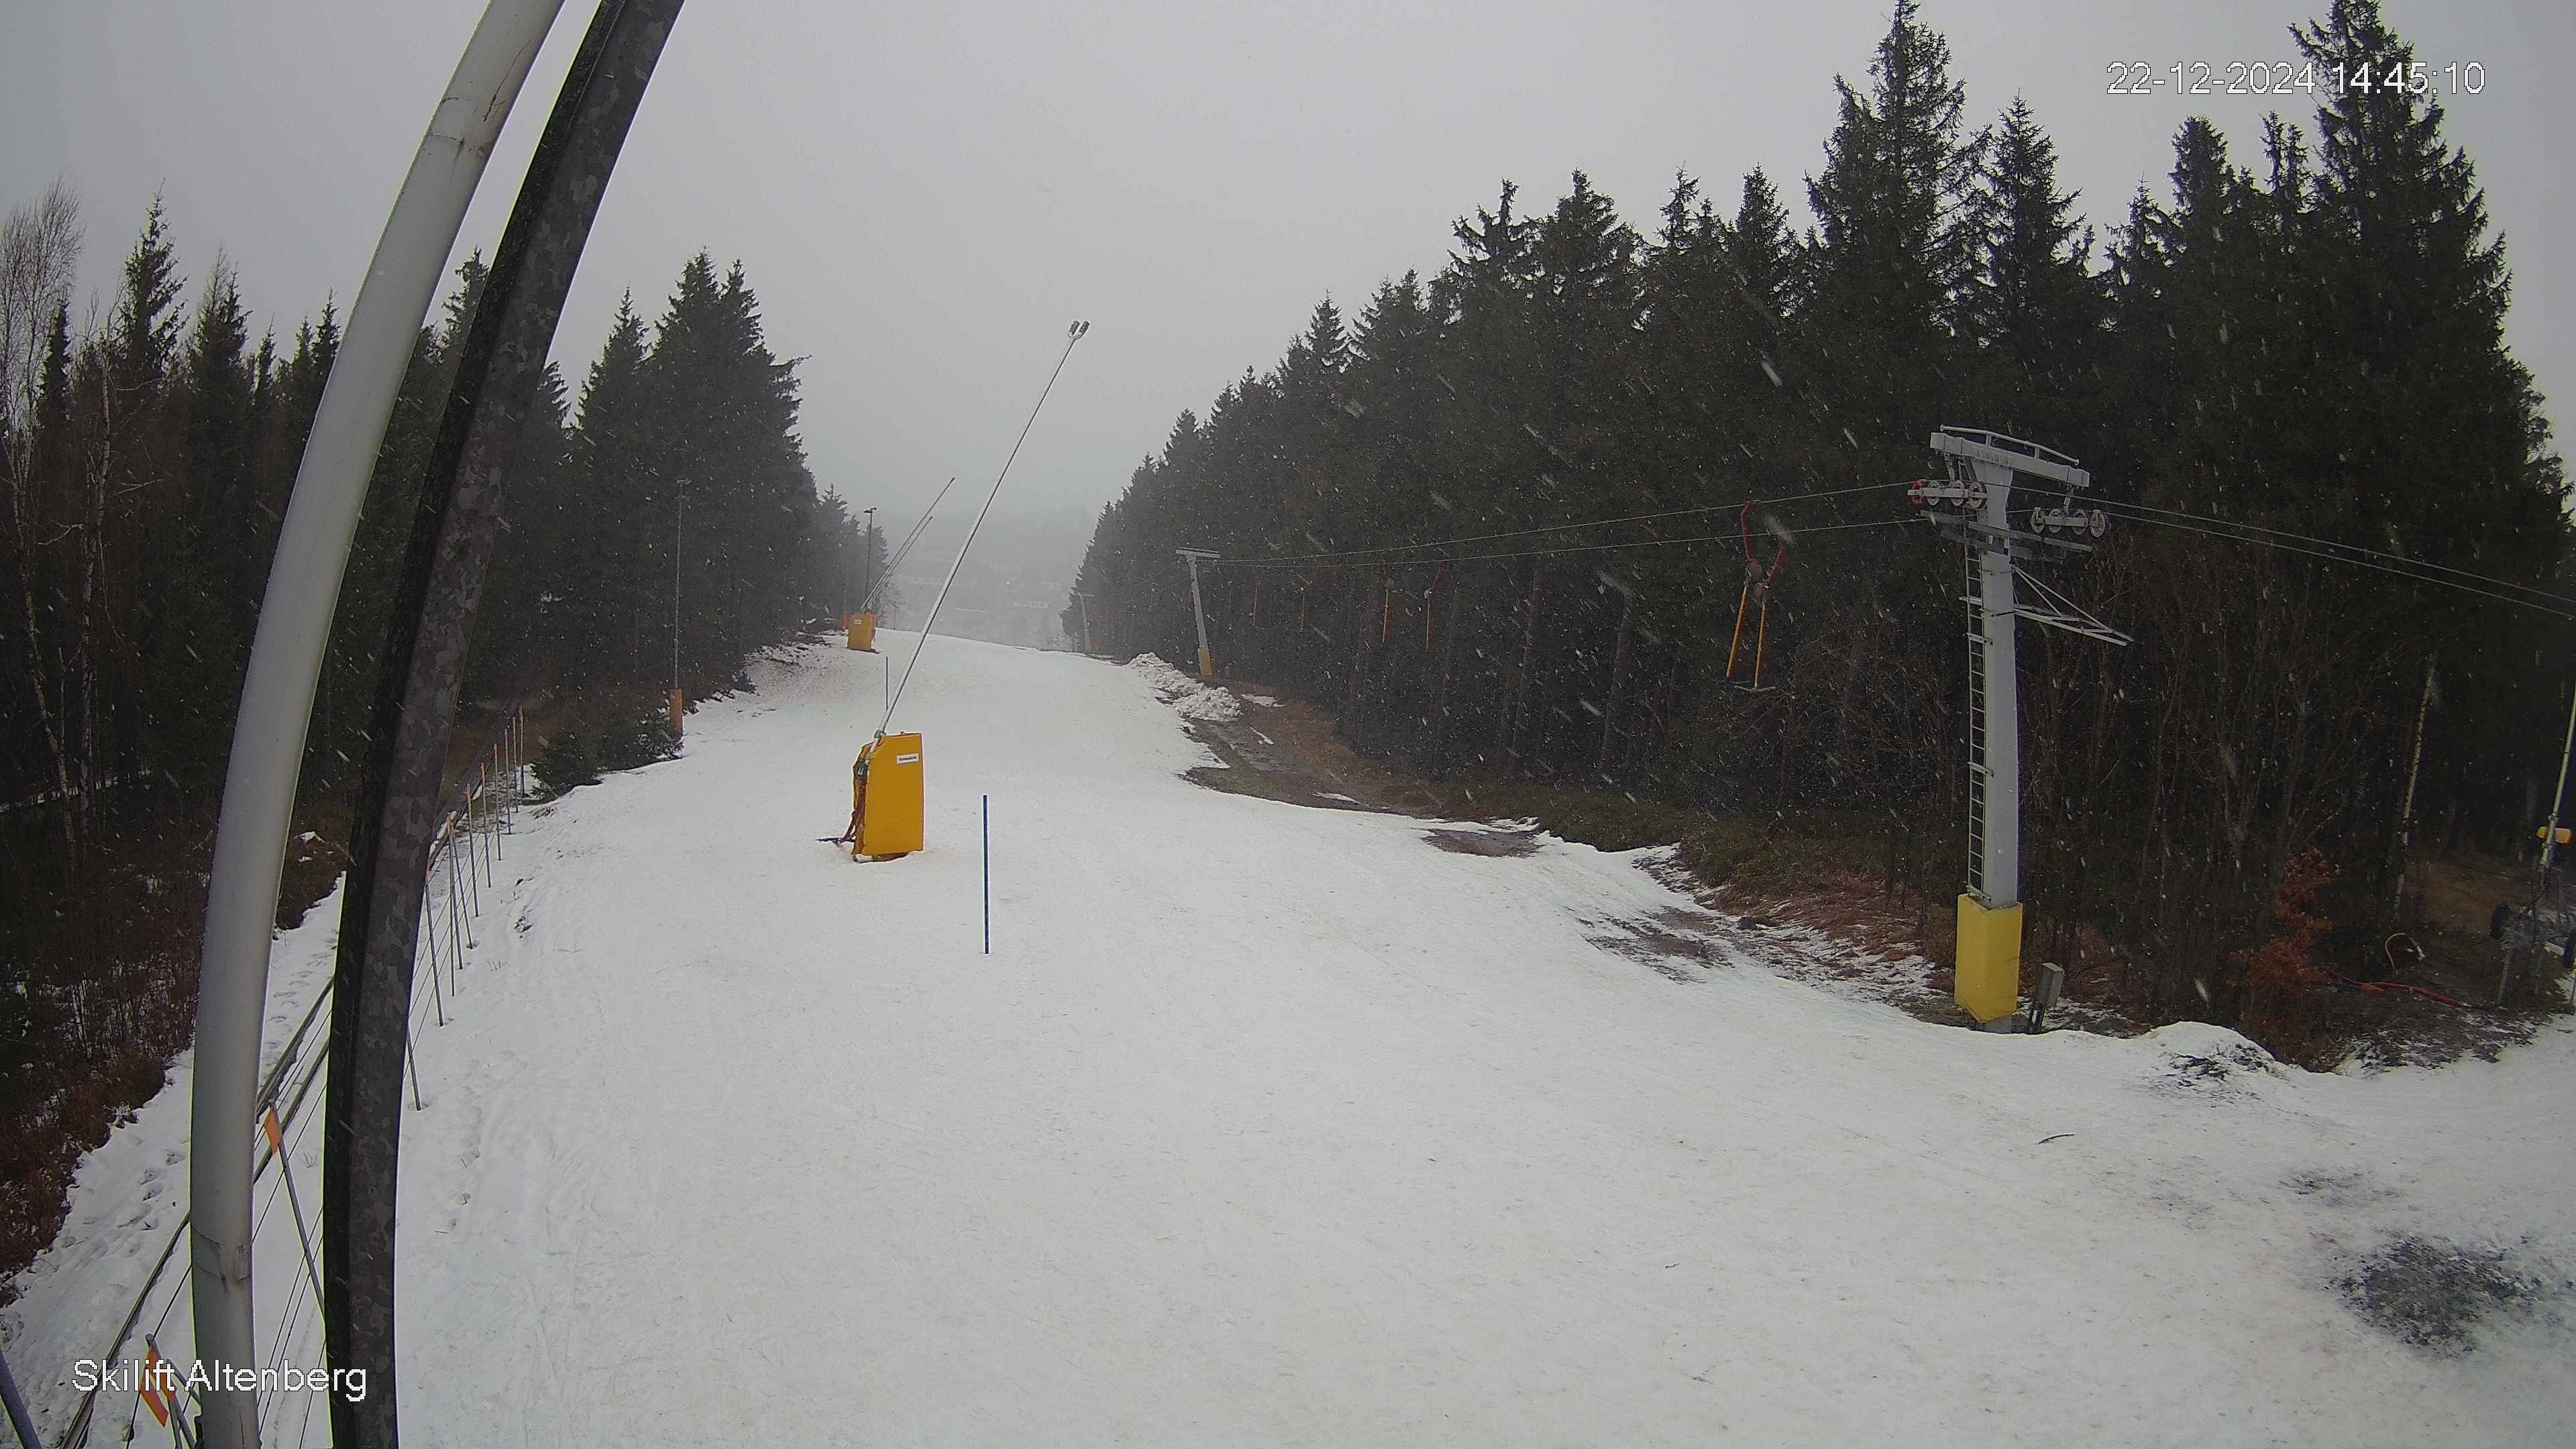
pixel 1824 922
pixel 1289 750
pixel 1849 941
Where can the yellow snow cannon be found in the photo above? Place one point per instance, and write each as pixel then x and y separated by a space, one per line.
pixel 885 798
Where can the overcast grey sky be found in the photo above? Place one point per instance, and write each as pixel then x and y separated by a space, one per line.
pixel 924 195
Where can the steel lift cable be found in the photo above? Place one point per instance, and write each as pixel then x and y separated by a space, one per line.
pixel 2403 573
pixel 1560 527
pixel 895 559
pixel 2396 558
pixel 1434 561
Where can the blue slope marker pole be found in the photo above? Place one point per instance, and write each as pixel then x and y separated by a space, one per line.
pixel 988 875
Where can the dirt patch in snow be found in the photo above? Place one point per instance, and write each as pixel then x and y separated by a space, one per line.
pixel 1506 842
pixel 2378 1031
pixel 1827 900
pixel 2340 1189
pixel 1292 752
pixel 1682 946
pixel 1808 914
pixel 2223 1070
pixel 2434 1294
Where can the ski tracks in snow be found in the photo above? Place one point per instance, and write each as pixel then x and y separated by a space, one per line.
pixel 1272 1125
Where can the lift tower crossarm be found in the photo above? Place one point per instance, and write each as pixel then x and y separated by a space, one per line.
pixel 1977 445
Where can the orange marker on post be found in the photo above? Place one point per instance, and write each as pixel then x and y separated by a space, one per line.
pixel 152 1398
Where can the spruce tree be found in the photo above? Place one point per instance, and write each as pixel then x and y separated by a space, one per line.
pixel 216 565
pixel 457 314
pixel 516 645
pixel 2033 304
pixel 607 585
pixel 53 419
pixel 1896 236
pixel 1586 301
pixel 2186 276
pixel 143 332
pixel 2438 448
pixel 2412 320
pixel 1760 251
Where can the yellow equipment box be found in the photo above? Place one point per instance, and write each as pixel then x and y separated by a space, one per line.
pixel 863 631
pixel 890 810
pixel 1989 972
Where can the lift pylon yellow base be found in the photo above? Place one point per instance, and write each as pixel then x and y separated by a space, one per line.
pixel 890 807
pixel 1207 665
pixel 1988 979
pixel 863 631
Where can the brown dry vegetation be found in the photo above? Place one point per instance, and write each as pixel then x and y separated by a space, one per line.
pixel 110 948
pixel 1883 890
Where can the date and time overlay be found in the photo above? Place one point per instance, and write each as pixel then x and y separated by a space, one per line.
pixel 2285 78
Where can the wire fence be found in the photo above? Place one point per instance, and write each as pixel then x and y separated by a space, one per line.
pixel 480 814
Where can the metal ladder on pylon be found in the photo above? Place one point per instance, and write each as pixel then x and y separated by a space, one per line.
pixel 1976 730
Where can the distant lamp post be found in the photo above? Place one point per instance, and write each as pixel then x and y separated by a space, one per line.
pixel 679 516
pixel 861 625
pixel 867 564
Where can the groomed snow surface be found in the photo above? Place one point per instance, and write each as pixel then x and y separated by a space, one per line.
pixel 1264 1125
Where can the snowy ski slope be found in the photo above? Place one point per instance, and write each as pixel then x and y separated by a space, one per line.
pixel 1265 1125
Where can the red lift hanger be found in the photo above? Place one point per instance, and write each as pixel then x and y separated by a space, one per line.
pixel 1757 588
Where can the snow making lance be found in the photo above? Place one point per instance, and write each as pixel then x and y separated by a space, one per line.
pixel 862 625
pixel 904 549
pixel 885 780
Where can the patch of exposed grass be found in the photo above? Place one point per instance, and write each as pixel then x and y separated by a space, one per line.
pixel 1766 855
pixel 1237 776
pixel 2458 893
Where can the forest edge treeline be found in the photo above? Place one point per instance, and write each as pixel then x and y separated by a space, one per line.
pixel 2313 344
pixel 145 460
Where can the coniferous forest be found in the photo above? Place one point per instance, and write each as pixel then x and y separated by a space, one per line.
pixel 149 459
pixel 147 449
pixel 2335 499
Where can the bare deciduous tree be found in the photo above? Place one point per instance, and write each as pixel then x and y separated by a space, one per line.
pixel 39 254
